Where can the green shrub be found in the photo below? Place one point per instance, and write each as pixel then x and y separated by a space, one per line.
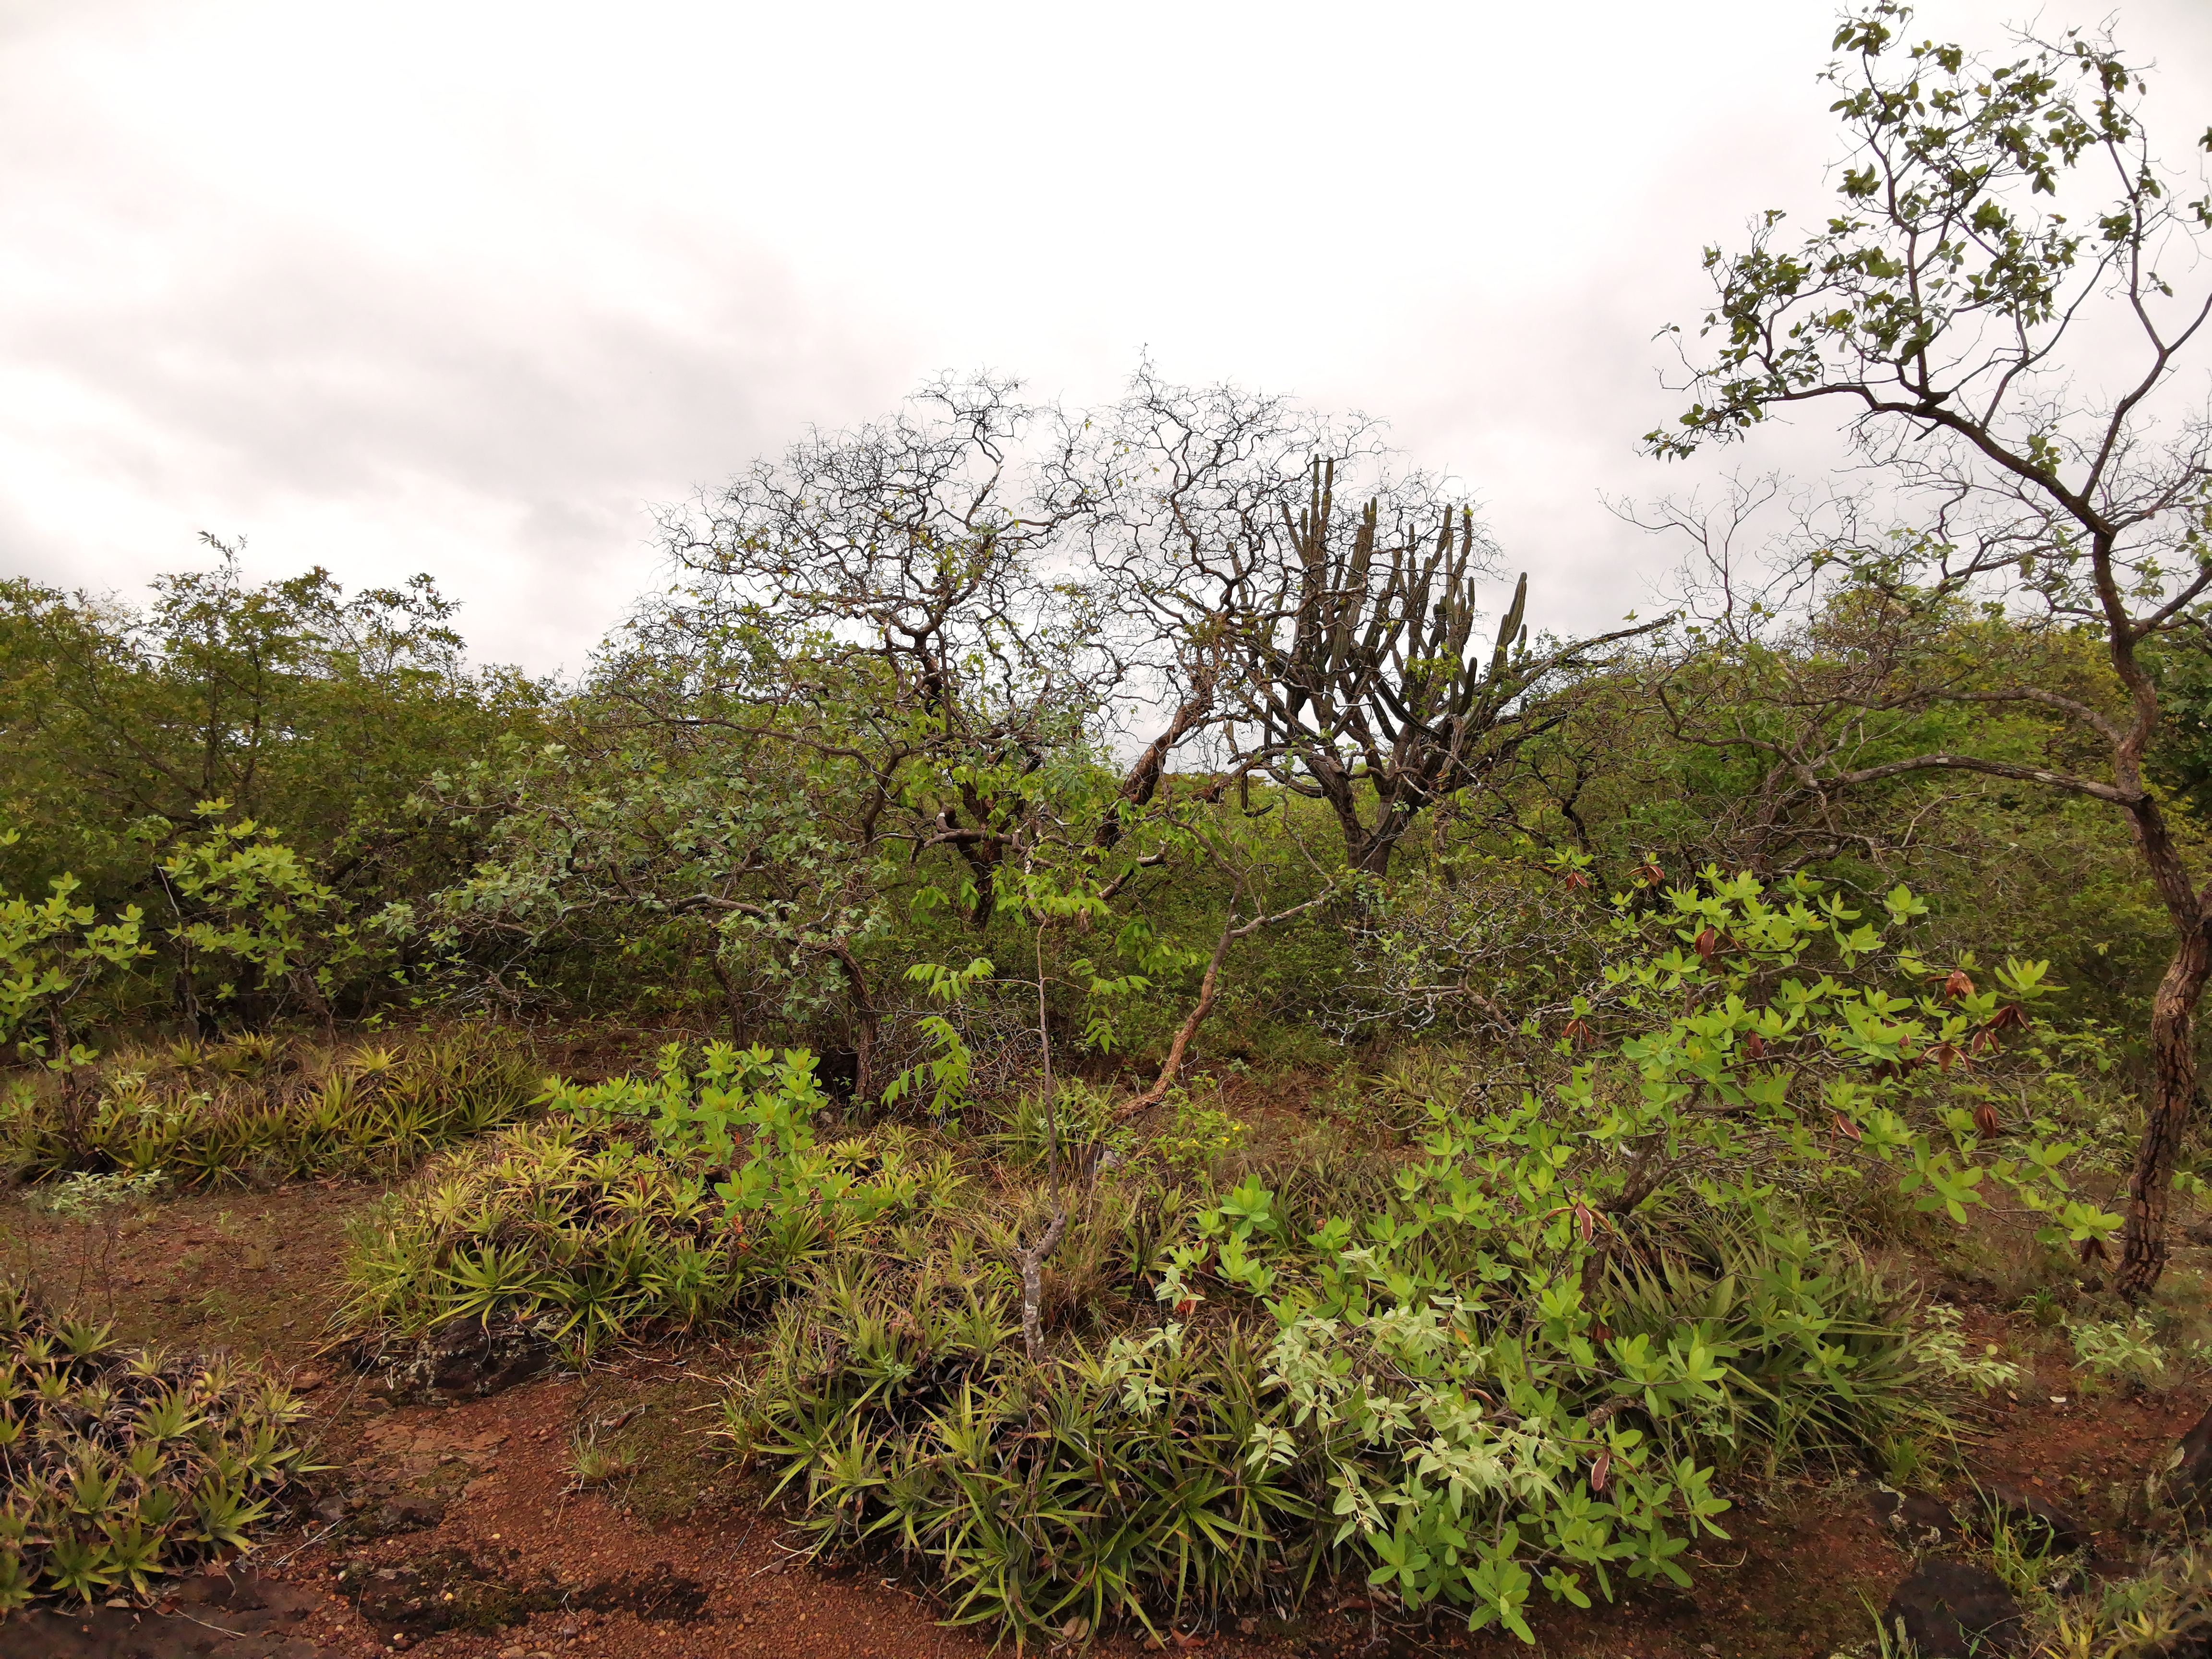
pixel 120 1466
pixel 671 1201
pixel 2164 1612
pixel 2121 1351
pixel 265 1108
pixel 1208 1463
pixel 1522 1361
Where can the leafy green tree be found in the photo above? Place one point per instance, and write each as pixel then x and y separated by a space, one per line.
pixel 130 737
pixel 1989 308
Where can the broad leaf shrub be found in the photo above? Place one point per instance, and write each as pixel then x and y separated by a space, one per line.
pixel 266 1107
pixel 120 1466
pixel 1525 1366
pixel 671 1201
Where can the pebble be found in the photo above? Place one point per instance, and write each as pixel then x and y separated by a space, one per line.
pixel 513 1653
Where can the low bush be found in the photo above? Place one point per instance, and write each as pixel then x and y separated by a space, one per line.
pixel 120 1466
pixel 668 1202
pixel 1441 1438
pixel 1520 1362
pixel 264 1107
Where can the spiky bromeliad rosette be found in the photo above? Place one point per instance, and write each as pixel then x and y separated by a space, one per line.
pixel 120 1466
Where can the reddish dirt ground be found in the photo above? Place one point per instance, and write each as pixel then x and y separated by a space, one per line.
pixel 456 1532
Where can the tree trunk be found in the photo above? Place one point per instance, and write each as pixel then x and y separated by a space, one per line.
pixel 2166 1113
pixel 2173 1055
pixel 865 1023
pixel 1370 854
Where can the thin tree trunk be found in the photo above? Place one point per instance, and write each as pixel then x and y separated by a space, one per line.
pixel 865 1022
pixel 2166 1113
pixel 2173 1056
pixel 1208 989
pixel 1032 1263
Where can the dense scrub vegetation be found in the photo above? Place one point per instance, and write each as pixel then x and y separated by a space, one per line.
pixel 996 795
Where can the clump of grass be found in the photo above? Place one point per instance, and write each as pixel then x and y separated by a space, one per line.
pixel 1178 1462
pixel 2165 1611
pixel 120 1466
pixel 265 1108
pixel 594 1465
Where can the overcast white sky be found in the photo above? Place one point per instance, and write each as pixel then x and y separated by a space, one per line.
pixel 468 286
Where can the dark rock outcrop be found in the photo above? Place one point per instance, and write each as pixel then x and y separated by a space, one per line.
pixel 1950 1610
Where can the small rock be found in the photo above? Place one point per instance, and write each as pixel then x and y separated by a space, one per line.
pixel 461 1359
pixel 2037 1517
pixel 1950 1610
pixel 513 1653
pixel 408 1514
pixel 1248 1626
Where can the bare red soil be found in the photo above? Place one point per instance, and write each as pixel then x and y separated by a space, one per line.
pixel 457 1532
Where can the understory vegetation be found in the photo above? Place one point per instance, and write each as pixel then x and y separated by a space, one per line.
pixel 1197 1051
pixel 122 1464
pixel 257 1107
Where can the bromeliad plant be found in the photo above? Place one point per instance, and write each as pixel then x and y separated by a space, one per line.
pixel 673 1200
pixel 261 1107
pixel 118 1467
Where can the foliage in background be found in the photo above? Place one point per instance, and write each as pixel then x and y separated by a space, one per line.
pixel 131 739
pixel 120 1467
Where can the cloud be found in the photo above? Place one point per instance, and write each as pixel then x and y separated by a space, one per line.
pixel 468 286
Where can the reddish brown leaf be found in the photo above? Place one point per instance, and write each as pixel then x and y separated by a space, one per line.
pixel 1753 1047
pixel 1705 943
pixel 1958 985
pixel 1600 1470
pixel 1845 1127
pixel 1985 1118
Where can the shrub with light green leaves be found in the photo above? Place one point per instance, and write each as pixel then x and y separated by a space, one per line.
pixel 118 1467
pixel 1528 1364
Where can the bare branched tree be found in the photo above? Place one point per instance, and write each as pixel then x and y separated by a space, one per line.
pixel 1344 658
